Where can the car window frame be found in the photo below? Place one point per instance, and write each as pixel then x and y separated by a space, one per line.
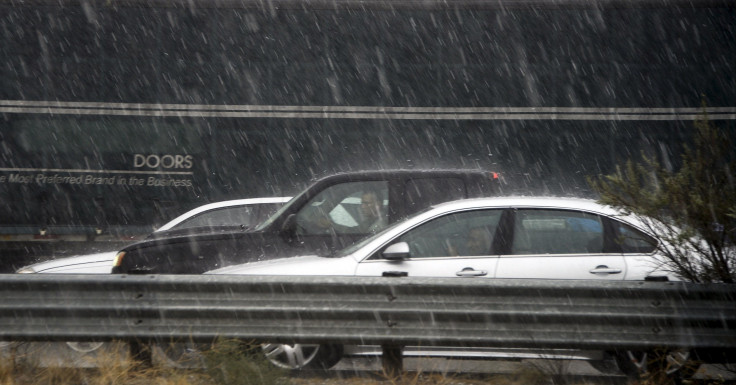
pixel 514 225
pixel 376 255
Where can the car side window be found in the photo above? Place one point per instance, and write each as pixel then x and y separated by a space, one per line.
pixel 556 232
pixel 346 208
pixel 632 240
pixel 424 192
pixel 467 233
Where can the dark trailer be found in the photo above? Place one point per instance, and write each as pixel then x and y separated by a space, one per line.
pixel 118 115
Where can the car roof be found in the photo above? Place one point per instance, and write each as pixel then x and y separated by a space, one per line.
pixel 402 172
pixel 393 174
pixel 550 202
pixel 531 201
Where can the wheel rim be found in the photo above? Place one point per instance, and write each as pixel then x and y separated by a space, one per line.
pixel 674 361
pixel 295 356
pixel 85 347
pixel 639 360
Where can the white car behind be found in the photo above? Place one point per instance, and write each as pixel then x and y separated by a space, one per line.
pixel 238 212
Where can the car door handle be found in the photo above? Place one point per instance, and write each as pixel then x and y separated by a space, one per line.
pixel 603 269
pixel 470 272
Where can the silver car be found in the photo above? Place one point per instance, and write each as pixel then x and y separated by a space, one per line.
pixel 514 237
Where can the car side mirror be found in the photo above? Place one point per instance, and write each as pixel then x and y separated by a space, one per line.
pixel 397 252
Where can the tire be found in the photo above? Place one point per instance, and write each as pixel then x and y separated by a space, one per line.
pixel 292 357
pixel 303 356
pixel 85 347
pixel 642 364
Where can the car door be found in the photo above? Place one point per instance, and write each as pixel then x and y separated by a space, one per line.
pixel 638 250
pixel 559 244
pixel 455 245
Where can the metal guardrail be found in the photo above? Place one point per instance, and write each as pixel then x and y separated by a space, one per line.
pixel 369 310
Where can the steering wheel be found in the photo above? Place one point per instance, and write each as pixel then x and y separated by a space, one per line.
pixel 314 222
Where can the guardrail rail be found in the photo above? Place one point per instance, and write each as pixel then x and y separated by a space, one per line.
pixel 388 311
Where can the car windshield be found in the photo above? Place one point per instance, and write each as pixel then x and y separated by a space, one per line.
pixel 278 214
pixel 357 246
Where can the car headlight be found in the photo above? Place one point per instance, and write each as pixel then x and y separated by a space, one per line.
pixel 118 259
pixel 25 270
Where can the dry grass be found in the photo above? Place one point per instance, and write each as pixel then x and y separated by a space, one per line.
pixel 107 368
pixel 114 370
pixel 230 364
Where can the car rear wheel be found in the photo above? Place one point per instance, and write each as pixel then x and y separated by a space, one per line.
pixel 303 356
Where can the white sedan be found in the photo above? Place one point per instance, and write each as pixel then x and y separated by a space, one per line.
pixel 237 212
pixel 515 237
pixel 543 238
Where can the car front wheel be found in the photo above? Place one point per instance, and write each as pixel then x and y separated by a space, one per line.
pixel 303 356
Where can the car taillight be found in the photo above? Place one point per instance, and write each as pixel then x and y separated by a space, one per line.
pixel 118 259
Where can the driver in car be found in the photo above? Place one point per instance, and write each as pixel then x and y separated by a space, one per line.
pixel 371 214
pixel 478 242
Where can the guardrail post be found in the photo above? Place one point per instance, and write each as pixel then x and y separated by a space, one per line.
pixel 141 352
pixel 392 360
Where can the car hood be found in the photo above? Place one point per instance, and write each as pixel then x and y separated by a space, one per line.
pixel 304 265
pixel 166 238
pixel 99 263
